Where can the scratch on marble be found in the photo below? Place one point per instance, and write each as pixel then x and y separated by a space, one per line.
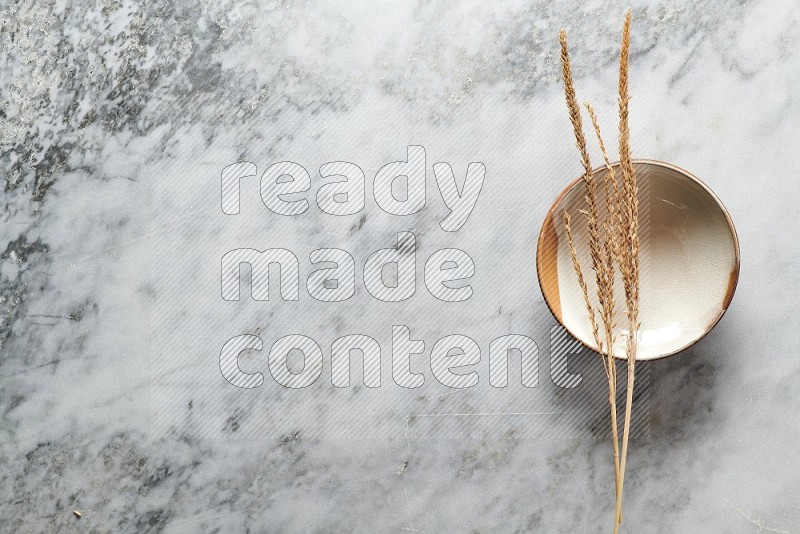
pixel 194 519
pixel 50 316
pixel 488 414
pixel 757 522
pixel 29 369
pixel 410 527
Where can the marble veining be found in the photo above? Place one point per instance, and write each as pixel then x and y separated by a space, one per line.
pixel 117 118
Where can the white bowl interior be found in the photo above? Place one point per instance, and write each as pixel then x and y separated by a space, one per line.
pixel 689 262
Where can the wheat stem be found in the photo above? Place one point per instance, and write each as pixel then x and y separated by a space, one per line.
pixel 629 252
pixel 601 249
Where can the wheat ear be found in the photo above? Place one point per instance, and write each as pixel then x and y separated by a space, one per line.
pixel 600 264
pixel 614 226
pixel 581 280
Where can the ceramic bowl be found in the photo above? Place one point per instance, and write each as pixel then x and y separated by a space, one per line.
pixel 689 261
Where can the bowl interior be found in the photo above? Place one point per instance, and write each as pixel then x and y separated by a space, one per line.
pixel 689 261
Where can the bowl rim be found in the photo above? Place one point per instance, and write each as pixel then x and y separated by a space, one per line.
pixel 733 282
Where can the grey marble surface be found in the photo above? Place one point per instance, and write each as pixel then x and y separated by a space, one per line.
pixel 117 120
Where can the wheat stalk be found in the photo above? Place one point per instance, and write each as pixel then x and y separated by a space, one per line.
pixel 600 249
pixel 601 264
pixel 618 242
pixel 628 258
pixel 611 248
